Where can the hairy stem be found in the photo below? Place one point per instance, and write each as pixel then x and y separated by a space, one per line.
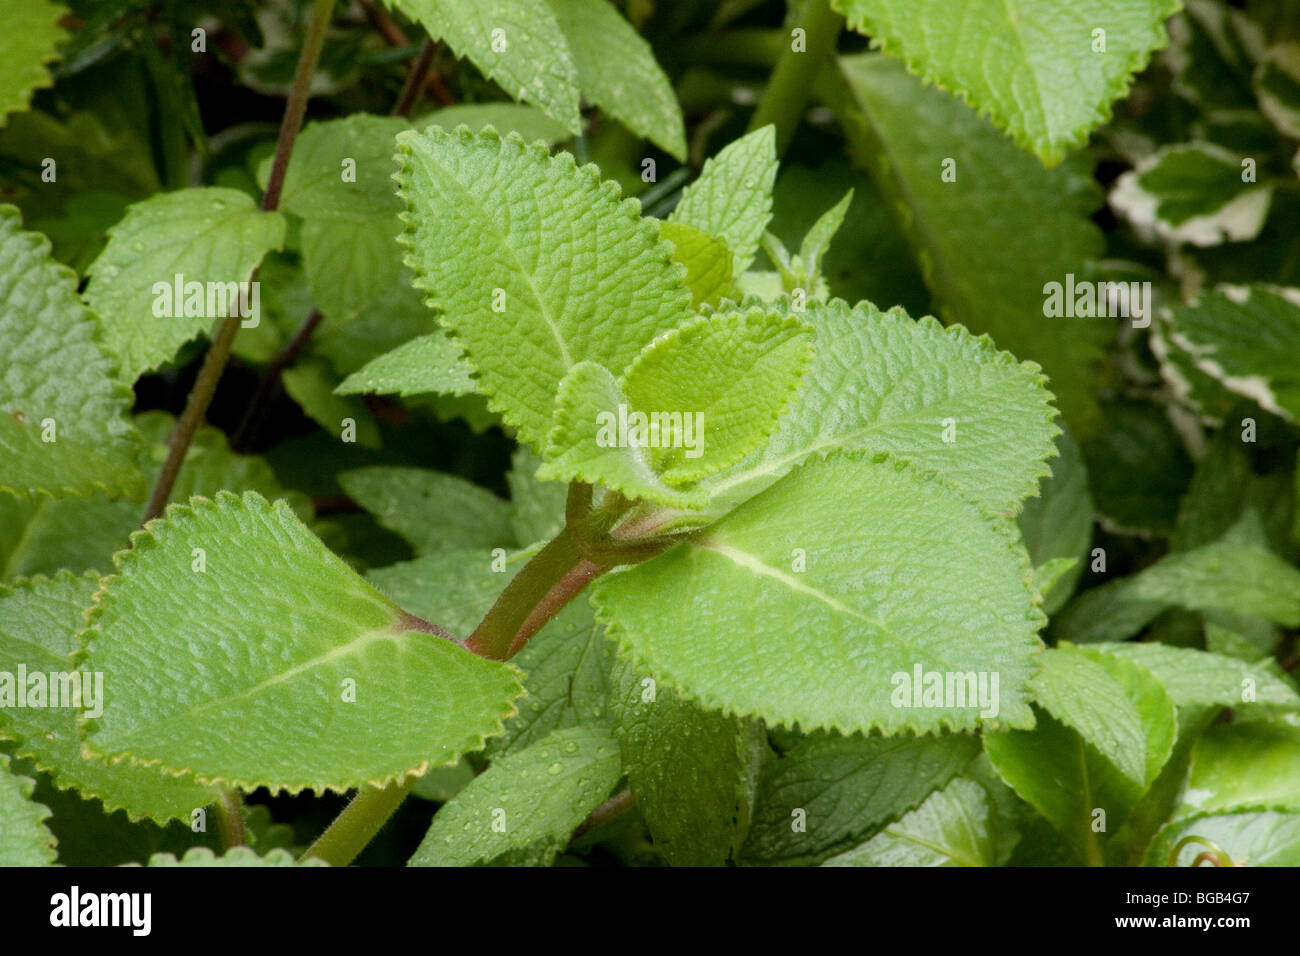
pixel 615 806
pixel 548 582
pixel 230 818
pixel 357 825
pixel 214 362
pixel 787 92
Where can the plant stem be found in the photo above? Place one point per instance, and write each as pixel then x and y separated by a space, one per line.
pixel 215 361
pixel 548 582
pixel 416 79
pixel 230 818
pixel 787 92
pixel 615 806
pixel 357 825
pixel 245 434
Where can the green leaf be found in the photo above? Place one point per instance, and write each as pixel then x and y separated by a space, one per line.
pixel 537 507
pixel 952 828
pixel 707 393
pixel 63 409
pixel 312 384
pixel 209 235
pixel 453 588
pixel 24 838
pixel 846 787
pixel 516 43
pixel 693 771
pixel 823 601
pixel 1227 575
pixel 1112 704
pixel 1250 766
pixel 617 71
pixel 707 261
pixel 1057 524
pixel 584 447
pixel 31 39
pixel 41 618
pixel 880 381
pixel 1138 467
pixel 340 181
pixel 43 535
pixel 432 510
pixel 1192 192
pixel 240 856
pixel 527 803
pixel 732 199
pixel 429 363
pixel 1031 65
pixel 1062 774
pixel 311 678
pixel 1248 340
pixel 566 667
pixel 903 135
pixel 1249 839
pixel 1277 85
pixel 818 240
pixel 1196 679
pixel 528 122
pixel 576 274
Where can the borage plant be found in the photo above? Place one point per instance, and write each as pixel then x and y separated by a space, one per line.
pixel 770 581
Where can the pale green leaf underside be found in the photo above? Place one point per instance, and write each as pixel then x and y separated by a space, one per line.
pixel 693 771
pixel 846 787
pixel 529 801
pixel 39 622
pixel 207 234
pixel 952 828
pixel 882 382
pixel 278 630
pixel 24 839
pixel 1248 340
pixel 750 633
pixel 432 510
pixel 535 262
pixel 1040 219
pixel 732 199
pixel 528 57
pixel 1029 64
pixel 30 40
pixel 429 363
pixel 617 71
pixel 57 372
pixel 1265 838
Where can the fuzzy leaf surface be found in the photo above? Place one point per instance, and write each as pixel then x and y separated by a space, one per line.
pixel 752 634
pixel 274 628
pixel 581 277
